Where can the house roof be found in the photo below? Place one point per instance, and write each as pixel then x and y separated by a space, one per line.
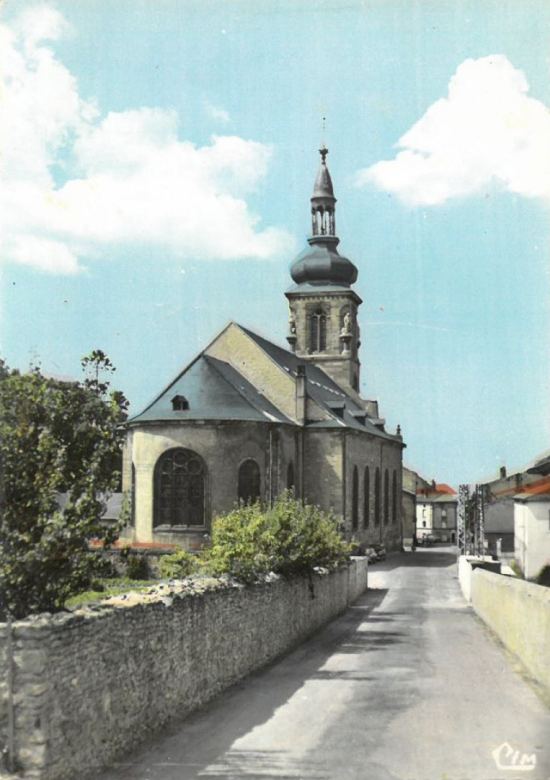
pixel 113 504
pixel 527 498
pixel 442 487
pixel 433 498
pixel 535 486
pixel 535 489
pixel 216 390
pixel 542 466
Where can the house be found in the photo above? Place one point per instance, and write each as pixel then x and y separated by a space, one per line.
pixel 499 505
pixel 412 483
pixel 436 513
pixel 532 521
pixel 247 418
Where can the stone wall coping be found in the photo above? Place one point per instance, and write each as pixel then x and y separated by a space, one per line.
pixel 165 593
pixel 530 589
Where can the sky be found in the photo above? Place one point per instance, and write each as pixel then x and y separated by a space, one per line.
pixel 157 159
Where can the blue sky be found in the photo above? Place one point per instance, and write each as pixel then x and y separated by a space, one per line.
pixel 158 157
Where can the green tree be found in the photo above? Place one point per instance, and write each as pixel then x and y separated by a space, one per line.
pixel 56 438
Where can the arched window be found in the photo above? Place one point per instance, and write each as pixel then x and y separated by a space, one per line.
pixel 366 497
pixel 249 482
pixel 355 500
pixel 377 496
pixel 386 497
pixel 394 498
pixel 317 331
pixel 290 482
pixel 180 484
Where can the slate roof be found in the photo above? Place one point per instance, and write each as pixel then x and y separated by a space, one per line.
pixel 215 390
pixel 113 504
pixel 322 389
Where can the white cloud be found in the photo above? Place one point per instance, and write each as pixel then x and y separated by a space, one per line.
pixel 75 184
pixel 217 113
pixel 486 131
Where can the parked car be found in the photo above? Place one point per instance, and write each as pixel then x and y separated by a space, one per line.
pixel 372 557
pixel 427 540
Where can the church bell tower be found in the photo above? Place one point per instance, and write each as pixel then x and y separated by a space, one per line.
pixel 323 307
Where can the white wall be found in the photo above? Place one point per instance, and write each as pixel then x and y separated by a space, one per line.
pixel 424 514
pixel 532 536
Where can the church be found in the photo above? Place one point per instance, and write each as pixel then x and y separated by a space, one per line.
pixel 247 419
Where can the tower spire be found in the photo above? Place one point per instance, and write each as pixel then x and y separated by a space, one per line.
pixel 323 326
pixel 323 202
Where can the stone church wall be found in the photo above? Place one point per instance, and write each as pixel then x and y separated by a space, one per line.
pixel 323 469
pixel 223 447
pixel 91 685
pixel 363 450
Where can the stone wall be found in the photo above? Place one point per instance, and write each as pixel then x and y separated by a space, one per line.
pixel 519 613
pixel 3 686
pixel 90 685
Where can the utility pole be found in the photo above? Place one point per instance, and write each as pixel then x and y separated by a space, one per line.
pixel 463 498
pixel 480 519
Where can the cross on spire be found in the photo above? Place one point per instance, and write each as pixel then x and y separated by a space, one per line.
pixel 323 151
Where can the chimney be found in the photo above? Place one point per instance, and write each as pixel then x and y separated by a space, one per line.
pixel 503 472
pixel 301 394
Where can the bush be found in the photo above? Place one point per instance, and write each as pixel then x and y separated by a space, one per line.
pixel 288 538
pixel 137 567
pixel 516 568
pixel 178 565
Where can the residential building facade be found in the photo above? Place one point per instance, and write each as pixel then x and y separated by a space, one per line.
pixel 436 513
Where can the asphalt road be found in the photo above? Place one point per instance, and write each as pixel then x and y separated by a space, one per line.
pixel 407 685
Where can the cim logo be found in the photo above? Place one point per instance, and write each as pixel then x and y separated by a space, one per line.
pixel 506 757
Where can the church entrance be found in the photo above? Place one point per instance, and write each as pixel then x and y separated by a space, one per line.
pixel 179 489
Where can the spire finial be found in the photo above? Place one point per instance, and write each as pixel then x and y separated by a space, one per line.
pixel 323 151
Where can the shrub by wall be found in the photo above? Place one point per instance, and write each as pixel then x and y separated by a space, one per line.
pixel 90 685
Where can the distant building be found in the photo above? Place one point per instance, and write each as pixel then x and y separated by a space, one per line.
pixel 499 495
pixel 436 508
pixel 247 419
pixel 532 521
pixel 412 483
